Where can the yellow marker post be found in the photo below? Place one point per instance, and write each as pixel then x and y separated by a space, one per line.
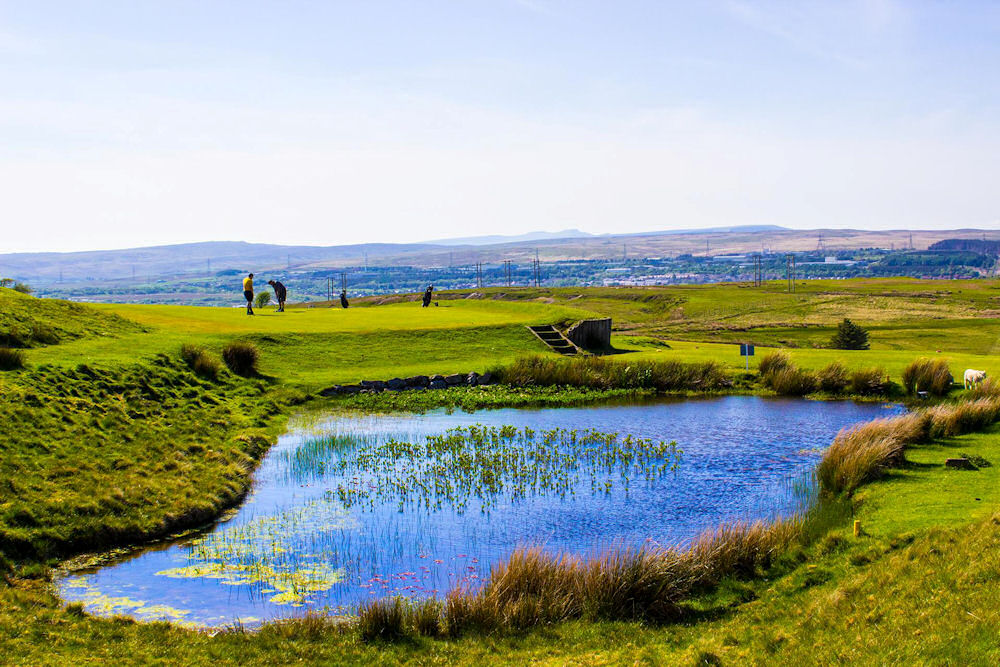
pixel 857 528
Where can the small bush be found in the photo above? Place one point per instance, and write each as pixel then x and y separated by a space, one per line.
pixel 199 361
pixel 262 299
pixel 791 381
pixel 11 359
pixel 383 620
pixel 869 382
pixel 241 358
pixel 930 375
pixel 833 378
pixel 849 336
pixel 773 362
pixel 23 288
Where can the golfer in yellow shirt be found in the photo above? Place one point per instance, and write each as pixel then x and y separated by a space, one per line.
pixel 248 292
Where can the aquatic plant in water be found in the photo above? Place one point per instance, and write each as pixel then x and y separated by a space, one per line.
pixel 261 554
pixel 487 463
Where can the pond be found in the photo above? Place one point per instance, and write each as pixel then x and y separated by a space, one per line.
pixel 355 507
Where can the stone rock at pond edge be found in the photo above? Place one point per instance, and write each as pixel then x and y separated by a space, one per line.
pixel 331 391
pixel 373 385
pixel 395 384
pixel 960 464
pixel 417 381
pixel 438 384
pixel 457 378
pixel 486 378
pixel 472 378
pixel 350 388
pixel 437 377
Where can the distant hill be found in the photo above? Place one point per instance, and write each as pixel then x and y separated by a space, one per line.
pixel 496 238
pixel 222 258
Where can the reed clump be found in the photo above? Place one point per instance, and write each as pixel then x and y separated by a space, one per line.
pixel 241 358
pixel 861 453
pixel 385 620
pixel 603 373
pixel 930 375
pixel 533 587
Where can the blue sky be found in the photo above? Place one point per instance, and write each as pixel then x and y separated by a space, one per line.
pixel 140 123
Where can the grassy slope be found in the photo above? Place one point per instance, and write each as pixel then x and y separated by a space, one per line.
pixel 27 322
pixel 871 599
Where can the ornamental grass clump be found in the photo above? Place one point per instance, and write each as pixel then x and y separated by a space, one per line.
pixel 929 375
pixel 241 358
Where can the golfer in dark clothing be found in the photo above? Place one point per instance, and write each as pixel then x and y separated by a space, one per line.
pixel 279 293
pixel 248 292
pixel 343 299
pixel 427 295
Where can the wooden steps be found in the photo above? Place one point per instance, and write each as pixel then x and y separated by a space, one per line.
pixel 551 336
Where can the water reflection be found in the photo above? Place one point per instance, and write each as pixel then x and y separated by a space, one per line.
pixel 353 507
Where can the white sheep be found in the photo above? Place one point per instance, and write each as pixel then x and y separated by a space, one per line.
pixel 973 377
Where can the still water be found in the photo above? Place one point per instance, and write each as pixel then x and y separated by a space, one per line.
pixel 354 507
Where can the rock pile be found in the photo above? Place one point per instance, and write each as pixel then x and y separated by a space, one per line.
pixel 472 379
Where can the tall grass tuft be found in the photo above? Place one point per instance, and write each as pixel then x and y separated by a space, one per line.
pixel 965 417
pixel 241 358
pixel 930 375
pixel 869 382
pixel 426 617
pixel 791 381
pixel 383 619
pixel 602 373
pixel 773 362
pixel 833 378
pixel 534 588
pixel 860 453
pixel 988 388
pixel 11 359
pixel 199 361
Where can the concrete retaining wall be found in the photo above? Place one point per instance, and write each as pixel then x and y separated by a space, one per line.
pixel 591 334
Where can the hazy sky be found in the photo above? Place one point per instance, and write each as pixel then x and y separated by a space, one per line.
pixel 141 123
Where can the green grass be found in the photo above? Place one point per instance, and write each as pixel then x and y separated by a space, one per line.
pixel 29 322
pixel 923 493
pixel 134 445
